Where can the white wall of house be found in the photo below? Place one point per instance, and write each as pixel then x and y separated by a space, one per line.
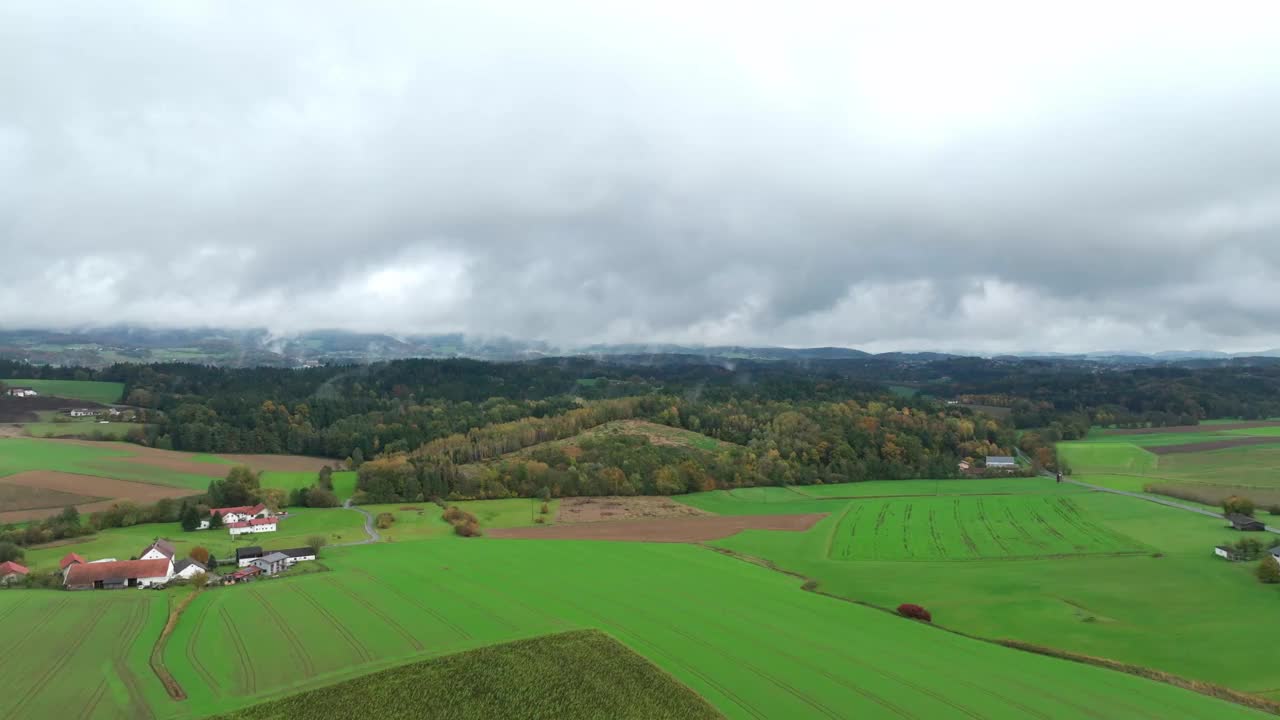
pixel 189 572
pixel 159 580
pixel 1222 553
pixel 301 558
pixel 153 554
pixel 253 529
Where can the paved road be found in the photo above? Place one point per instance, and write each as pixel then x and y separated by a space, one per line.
pixel 368 526
pixel 1156 500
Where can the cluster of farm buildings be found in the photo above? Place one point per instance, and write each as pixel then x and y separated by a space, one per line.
pixel 157 566
pixel 245 519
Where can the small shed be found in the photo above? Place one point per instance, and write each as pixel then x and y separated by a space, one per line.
pixel 1245 523
pixel 1225 552
pixel 11 571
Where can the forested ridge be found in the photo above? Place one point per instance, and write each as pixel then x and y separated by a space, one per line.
pixel 442 427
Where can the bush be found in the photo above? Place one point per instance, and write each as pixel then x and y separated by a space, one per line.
pixel 545 508
pixel 811 585
pixel 1237 504
pixel 1268 571
pixel 1274 509
pixel 9 551
pixel 200 555
pixel 464 523
pixel 467 528
pixel 322 498
pixel 315 542
pixel 540 520
pixel 915 612
pixel 384 520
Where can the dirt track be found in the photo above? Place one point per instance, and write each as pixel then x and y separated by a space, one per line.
pixel 86 485
pixel 1212 445
pixel 690 529
pixel 1191 428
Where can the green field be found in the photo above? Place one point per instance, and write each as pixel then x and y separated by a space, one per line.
pixel 1123 462
pixel 21 454
pixel 344 482
pixel 968 528
pixel 581 674
pixel 745 638
pixel 86 651
pixel 99 392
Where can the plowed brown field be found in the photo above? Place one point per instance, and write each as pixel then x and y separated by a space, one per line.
pixel 88 487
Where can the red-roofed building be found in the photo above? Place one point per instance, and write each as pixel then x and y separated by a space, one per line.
pixel 240 513
pixel 256 525
pixel 241 575
pixel 118 574
pixel 69 559
pixel 11 571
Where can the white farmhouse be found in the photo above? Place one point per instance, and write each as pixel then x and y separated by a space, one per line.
pixel 240 513
pixel 158 550
pixel 188 569
pixel 257 525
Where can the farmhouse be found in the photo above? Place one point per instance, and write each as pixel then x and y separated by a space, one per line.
pixel 1001 462
pixel 11 572
pixel 257 525
pixel 118 575
pixel 82 412
pixel 271 563
pixel 158 550
pixel 21 392
pixel 240 513
pixel 188 568
pixel 1244 522
pixel 67 561
pixel 245 555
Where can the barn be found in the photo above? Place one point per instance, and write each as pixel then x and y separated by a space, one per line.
pixel 1244 522
pixel 257 525
pixel 11 572
pixel 118 574
pixel 158 550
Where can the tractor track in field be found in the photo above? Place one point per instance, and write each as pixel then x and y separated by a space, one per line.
pixel 49 614
pixel 120 661
pixel 937 537
pixel 57 666
pixel 337 624
pixel 290 637
pixel 237 644
pixel 906 531
pixel 91 703
pixel 457 629
pixel 964 533
pixel 1026 534
pixel 194 656
pixel 373 610
pixel 982 517
pixel 4 616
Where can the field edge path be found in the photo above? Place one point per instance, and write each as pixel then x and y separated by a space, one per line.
pixel 369 530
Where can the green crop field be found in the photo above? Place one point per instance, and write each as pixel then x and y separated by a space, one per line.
pixel 79 654
pixel 93 391
pixel 745 638
pixel 579 674
pixel 967 528
pixel 21 454
pixel 344 482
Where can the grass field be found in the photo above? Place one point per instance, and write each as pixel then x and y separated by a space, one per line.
pixel 79 654
pixel 99 392
pixel 745 638
pixel 344 482
pixel 19 454
pixel 1146 609
pixel 968 528
pixel 581 674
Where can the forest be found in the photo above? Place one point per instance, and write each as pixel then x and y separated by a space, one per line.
pixel 440 428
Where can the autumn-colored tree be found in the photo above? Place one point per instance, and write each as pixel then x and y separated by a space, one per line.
pixel 199 554
pixel 1237 504
pixel 1268 570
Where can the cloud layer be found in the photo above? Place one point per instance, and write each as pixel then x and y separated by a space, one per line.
pixel 989 178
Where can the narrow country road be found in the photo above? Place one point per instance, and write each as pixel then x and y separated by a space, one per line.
pixel 368 526
pixel 1156 500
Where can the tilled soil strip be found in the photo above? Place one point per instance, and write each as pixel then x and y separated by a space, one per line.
pixel 1212 445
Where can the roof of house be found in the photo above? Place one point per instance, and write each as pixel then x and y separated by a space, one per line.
pixel 90 573
pixel 251 551
pixel 69 559
pixel 164 546
pixel 1240 519
pixel 185 563
pixel 275 556
pixel 255 521
pixel 245 572
pixel 240 509
pixel 297 552
pixel 8 566
pixel 1003 459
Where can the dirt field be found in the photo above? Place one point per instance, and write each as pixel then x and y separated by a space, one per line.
pixel 26 497
pixel 596 509
pixel 1214 445
pixel 1192 428
pixel 687 529
pixel 89 487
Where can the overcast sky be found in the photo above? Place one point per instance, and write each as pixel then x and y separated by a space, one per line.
pixel 917 176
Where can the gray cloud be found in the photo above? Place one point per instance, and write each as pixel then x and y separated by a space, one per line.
pixel 987 178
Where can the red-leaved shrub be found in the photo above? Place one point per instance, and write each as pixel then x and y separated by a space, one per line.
pixel 915 612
